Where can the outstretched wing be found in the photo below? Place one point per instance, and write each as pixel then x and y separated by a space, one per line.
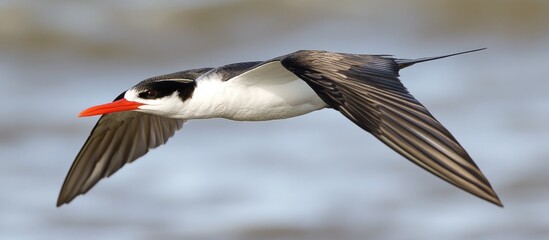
pixel 366 90
pixel 117 139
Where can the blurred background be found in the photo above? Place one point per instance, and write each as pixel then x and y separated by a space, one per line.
pixel 313 177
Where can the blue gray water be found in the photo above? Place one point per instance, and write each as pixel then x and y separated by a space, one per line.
pixel 313 177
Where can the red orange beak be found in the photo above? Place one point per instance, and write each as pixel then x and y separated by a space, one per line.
pixel 116 106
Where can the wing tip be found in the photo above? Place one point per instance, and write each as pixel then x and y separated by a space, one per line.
pixel 59 203
pixel 492 197
pixel 498 202
pixel 65 197
pixel 62 200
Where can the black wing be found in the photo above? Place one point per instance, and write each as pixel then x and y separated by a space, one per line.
pixel 120 138
pixel 117 139
pixel 366 90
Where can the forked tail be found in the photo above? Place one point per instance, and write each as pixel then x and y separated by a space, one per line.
pixel 402 63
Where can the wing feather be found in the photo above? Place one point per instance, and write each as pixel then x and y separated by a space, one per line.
pixel 117 139
pixel 366 90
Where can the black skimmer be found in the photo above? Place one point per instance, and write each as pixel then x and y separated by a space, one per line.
pixel 364 88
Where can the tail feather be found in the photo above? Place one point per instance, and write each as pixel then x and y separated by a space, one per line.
pixel 402 63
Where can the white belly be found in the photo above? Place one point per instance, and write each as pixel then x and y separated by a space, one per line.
pixel 256 96
pixel 254 102
pixel 267 102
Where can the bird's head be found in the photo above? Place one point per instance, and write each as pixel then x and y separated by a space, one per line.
pixel 159 97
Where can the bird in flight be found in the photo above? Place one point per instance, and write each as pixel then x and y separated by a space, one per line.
pixel 363 88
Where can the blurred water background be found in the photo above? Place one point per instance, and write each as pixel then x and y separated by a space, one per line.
pixel 313 177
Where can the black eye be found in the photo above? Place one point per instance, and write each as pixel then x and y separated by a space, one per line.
pixel 149 94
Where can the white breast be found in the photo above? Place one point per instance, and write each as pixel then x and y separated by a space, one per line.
pixel 265 93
